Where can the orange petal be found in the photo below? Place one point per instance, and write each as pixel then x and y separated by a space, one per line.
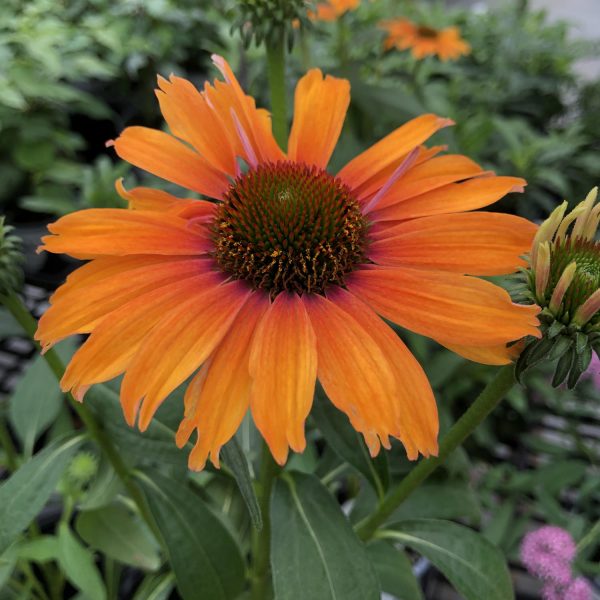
pixel 229 99
pixel 283 366
pixel 355 371
pixel 430 175
pixel 417 425
pixel 389 152
pixel 452 198
pixel 219 394
pixel 119 232
pixel 487 355
pixel 111 346
pixel 104 285
pixel 177 346
pixel 162 155
pixel 478 243
pixel 191 118
pixel 454 309
pixel 320 107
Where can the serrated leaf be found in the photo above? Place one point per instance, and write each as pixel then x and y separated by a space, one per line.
pixel 475 567
pixel 25 493
pixel 77 563
pixel 205 558
pixel 117 532
pixel 314 552
pixel 348 444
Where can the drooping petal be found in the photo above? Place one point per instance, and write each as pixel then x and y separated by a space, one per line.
pixel 191 118
pixel 451 308
pixel 119 232
pixel 476 243
pixel 451 198
pixel 113 343
pixel 177 346
pixel 414 403
pixel 385 155
pixel 355 372
pixel 219 394
pixel 229 100
pixel 104 285
pixel 320 107
pixel 162 155
pixel 283 366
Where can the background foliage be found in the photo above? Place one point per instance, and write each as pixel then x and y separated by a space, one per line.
pixel 72 75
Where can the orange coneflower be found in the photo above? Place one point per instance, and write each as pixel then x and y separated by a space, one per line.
pixel 424 41
pixel 332 9
pixel 281 280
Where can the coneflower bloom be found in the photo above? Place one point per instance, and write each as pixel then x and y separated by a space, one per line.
pixel 424 41
pixel 332 10
pixel 280 281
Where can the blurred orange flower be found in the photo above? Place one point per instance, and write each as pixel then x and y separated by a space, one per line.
pixel 424 41
pixel 281 279
pixel 332 9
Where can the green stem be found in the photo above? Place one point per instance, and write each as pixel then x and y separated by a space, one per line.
pixel 276 74
pixel 29 325
pixel 461 430
pixel 589 538
pixel 261 540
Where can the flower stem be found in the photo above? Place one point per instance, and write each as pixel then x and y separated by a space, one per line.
pixel 22 315
pixel 276 74
pixel 589 538
pixel 460 431
pixel 261 540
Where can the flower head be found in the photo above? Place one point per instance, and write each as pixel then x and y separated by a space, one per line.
pixel 547 553
pixel 283 276
pixel 331 10
pixel 424 41
pixel 564 280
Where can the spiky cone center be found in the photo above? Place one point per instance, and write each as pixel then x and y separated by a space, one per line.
pixel 564 280
pixel 287 226
pixel 427 32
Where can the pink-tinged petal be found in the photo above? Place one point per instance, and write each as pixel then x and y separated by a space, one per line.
pixel 162 155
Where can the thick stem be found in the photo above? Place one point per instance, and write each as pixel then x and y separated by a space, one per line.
pixel 276 73
pixel 29 325
pixel 461 430
pixel 261 540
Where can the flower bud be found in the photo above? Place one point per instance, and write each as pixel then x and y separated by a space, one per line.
pixel 564 280
pixel 271 21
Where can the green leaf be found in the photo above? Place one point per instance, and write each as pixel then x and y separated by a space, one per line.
pixel 156 587
pixel 394 571
pixel 120 534
pixel 36 401
pixel 77 563
pixel 475 567
pixel 314 552
pixel 40 549
pixel 205 558
pixel 348 444
pixel 24 494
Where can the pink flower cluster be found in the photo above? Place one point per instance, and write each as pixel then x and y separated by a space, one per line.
pixel 548 553
pixel 594 370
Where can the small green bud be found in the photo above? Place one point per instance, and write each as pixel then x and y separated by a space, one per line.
pixel 271 21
